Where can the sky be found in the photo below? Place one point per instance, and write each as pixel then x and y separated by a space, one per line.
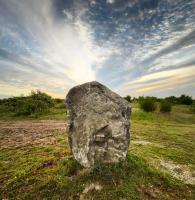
pixel 134 47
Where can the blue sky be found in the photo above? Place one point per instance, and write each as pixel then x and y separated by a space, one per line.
pixel 135 47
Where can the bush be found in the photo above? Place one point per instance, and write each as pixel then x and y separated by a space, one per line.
pixel 23 107
pixel 40 96
pixel 185 99
pixel 148 104
pixel 57 100
pixel 165 106
pixel 30 106
pixel 128 98
pixel 173 99
pixel 9 105
pixel 37 102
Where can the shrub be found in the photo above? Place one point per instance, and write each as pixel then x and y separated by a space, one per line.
pixel 37 102
pixel 185 99
pixel 9 105
pixel 30 106
pixel 172 99
pixel 57 100
pixel 148 104
pixel 128 98
pixel 40 96
pixel 23 107
pixel 165 106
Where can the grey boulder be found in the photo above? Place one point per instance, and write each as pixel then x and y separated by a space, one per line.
pixel 98 124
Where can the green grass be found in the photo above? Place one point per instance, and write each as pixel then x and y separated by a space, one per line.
pixel 52 114
pixel 174 133
pixel 49 172
pixel 38 174
pixel 179 114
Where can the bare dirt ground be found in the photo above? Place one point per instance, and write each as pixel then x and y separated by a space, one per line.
pixel 25 133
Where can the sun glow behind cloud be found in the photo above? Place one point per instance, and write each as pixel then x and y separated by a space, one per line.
pixel 60 51
pixel 134 47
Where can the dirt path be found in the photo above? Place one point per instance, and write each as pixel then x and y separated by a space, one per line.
pixel 22 133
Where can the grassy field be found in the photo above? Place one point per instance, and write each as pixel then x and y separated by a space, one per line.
pixel 35 161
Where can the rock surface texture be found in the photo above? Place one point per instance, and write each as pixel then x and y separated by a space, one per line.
pixel 98 124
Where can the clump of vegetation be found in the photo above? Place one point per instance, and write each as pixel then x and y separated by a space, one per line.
pixel 172 99
pixel 36 102
pixel 128 98
pixel 165 106
pixel 59 103
pixel 183 99
pixel 28 106
pixel 148 104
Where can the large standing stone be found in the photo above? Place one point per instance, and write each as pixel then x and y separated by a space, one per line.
pixel 98 124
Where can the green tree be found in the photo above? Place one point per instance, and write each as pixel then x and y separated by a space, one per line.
pixel 148 104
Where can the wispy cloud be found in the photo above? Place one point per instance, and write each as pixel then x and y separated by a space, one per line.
pixel 54 45
pixel 56 51
pixel 158 82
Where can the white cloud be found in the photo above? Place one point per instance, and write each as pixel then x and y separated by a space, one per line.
pixel 110 1
pixel 159 81
pixel 59 49
pixel 62 48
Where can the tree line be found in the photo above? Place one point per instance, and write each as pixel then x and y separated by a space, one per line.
pixel 40 102
pixel 183 99
pixel 149 103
